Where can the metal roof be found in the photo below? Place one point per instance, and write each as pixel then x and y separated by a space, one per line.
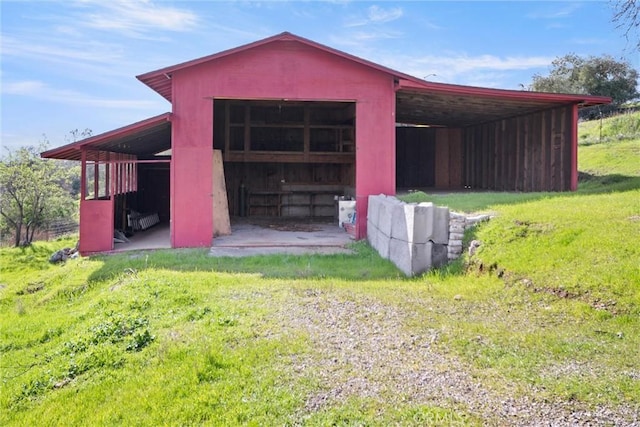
pixel 143 139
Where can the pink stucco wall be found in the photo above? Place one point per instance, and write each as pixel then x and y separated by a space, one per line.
pixel 286 70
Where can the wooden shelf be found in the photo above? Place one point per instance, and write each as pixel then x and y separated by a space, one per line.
pixel 305 132
pixel 291 203
pixel 288 157
pixel 265 203
pixel 312 203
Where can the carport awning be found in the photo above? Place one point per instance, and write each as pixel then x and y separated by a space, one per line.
pixel 438 104
pixel 143 139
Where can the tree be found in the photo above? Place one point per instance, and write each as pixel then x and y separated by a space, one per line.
pixel 627 17
pixel 33 191
pixel 601 75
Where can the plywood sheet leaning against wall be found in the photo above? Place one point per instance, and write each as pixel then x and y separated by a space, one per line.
pixel 221 222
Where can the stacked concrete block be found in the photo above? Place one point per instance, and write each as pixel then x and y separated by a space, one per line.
pixel 456 233
pixel 458 223
pixel 412 236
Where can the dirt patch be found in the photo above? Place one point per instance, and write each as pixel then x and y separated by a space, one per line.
pixel 364 351
pixel 31 288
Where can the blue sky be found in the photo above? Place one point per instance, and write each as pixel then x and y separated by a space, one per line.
pixel 71 64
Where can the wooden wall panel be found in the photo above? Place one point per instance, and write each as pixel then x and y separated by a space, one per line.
pixel 442 158
pixel 455 158
pixel 415 157
pixel 526 153
pixel 153 191
pixel 272 176
pixel 430 158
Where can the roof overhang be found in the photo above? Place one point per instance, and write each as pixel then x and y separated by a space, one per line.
pixel 438 104
pixel 143 139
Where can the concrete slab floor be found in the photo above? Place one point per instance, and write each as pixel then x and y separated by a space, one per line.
pixel 281 236
pixel 262 236
pixel 156 237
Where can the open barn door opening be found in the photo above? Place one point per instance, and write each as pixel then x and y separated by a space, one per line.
pixel 290 160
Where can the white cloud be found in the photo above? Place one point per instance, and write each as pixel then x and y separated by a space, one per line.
pixel 41 91
pixel 366 36
pixel 82 51
pixel 26 87
pixel 590 41
pixel 376 15
pixel 553 12
pixel 136 17
pixel 464 63
pixel 480 70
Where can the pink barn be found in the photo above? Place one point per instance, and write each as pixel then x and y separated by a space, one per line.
pixel 296 123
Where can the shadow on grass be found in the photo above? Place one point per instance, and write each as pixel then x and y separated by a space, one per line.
pixel 589 184
pixel 363 264
pixel 32 257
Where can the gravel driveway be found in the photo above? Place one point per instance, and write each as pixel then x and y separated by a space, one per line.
pixel 363 351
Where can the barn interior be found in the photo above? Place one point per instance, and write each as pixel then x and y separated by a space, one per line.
pixel 285 159
pixel 476 139
pixel 132 170
pixel 289 159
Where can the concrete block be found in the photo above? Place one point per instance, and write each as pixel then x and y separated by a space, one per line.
pixel 454 249
pixel 413 236
pixel 372 235
pixel 383 244
pixel 456 228
pixel 440 225
pixel 422 223
pixel 421 260
pixel 455 236
pixel 473 220
pixel 439 255
pixel 400 255
pixel 411 258
pixel 402 221
pixel 385 211
pixel 372 208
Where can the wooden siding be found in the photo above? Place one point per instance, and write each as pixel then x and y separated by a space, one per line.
pixel 428 157
pixel 275 177
pixel 415 157
pixel 448 152
pixel 527 153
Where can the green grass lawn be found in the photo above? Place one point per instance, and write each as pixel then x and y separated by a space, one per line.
pixel 617 128
pixel 543 320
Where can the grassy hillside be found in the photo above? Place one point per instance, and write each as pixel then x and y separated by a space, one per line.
pixel 622 127
pixel 540 326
